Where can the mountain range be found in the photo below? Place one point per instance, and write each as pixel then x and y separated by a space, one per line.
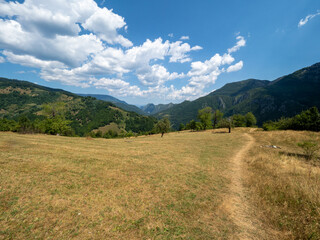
pixel 267 100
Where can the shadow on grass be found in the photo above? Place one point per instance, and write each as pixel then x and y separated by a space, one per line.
pixel 303 157
pixel 220 132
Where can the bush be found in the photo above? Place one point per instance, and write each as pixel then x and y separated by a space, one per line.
pixel 310 148
pixel 306 120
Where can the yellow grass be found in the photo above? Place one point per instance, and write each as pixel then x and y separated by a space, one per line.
pixel 285 188
pixel 139 188
pixel 175 187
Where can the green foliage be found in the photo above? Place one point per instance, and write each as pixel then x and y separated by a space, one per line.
pixel 110 134
pixel 57 125
pixel 199 126
pixel 8 125
pixel 226 123
pixel 239 120
pixel 205 116
pixel 191 125
pixel 137 123
pixel 84 114
pixel 217 116
pixel 310 148
pixel 181 127
pixel 24 124
pixel 51 110
pixel 306 120
pixel 163 126
pixel 251 120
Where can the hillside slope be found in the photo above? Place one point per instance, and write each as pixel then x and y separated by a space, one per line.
pixel 268 100
pixel 86 113
pixel 150 108
pixel 121 104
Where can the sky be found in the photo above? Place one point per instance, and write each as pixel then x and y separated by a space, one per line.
pixel 148 51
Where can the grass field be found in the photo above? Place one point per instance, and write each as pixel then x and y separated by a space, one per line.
pixel 187 185
pixel 139 188
pixel 284 186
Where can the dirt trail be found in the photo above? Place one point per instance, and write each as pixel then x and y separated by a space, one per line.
pixel 237 203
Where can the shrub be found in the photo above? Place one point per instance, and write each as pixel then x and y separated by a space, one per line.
pixel 310 148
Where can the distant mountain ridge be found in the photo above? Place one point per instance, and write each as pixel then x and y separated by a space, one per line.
pixel 151 109
pixel 148 109
pixel 119 103
pixel 268 100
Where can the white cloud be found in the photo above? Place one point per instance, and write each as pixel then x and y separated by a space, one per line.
pixel 2 60
pixel 31 61
pixel 185 38
pixel 241 43
pixel 170 35
pixel 110 83
pixel 106 23
pixel 179 50
pixel 49 35
pixel 157 75
pixel 236 67
pixel 304 21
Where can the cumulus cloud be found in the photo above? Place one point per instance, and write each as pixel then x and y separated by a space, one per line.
pixel 236 67
pixel 179 50
pixel 304 21
pixel 78 43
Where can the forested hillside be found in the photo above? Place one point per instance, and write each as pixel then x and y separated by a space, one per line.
pixel 21 98
pixel 267 100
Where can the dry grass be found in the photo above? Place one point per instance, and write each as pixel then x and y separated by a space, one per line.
pixel 139 188
pixel 285 187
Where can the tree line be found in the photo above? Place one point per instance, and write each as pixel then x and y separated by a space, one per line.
pixel 307 120
pixel 210 119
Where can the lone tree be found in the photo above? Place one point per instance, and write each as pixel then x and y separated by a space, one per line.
pixel 217 116
pixel 163 126
pixel 205 116
pixel 226 123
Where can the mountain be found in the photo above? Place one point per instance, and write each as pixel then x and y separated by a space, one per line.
pixel 268 100
pixel 85 113
pixel 121 104
pixel 150 108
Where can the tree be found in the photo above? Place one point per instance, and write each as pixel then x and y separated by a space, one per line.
pixel 52 110
pixel 24 124
pixel 217 116
pixel 226 123
pixel 163 126
pixel 205 117
pixel 199 126
pixel 239 120
pixel 192 125
pixel 250 119
pixel 181 127
pixel 56 122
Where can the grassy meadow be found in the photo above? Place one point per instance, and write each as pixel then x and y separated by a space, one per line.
pixel 175 187
pixel 139 188
pixel 284 186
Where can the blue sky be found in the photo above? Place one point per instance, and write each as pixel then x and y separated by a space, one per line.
pixel 155 51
